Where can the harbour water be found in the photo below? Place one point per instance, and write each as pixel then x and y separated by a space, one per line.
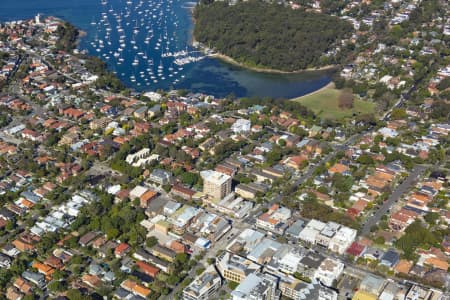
pixel 147 44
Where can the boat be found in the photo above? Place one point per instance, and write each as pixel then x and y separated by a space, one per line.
pixel 135 62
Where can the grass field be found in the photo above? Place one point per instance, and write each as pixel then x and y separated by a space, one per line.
pixel 324 103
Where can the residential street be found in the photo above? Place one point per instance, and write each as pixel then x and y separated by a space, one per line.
pixel 404 187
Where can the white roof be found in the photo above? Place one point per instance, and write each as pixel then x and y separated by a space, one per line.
pixel 138 191
pixel 214 176
pixel 114 189
pixel 250 235
pixel 291 259
pixel 316 225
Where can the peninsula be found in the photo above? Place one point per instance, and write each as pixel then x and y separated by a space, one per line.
pixel 267 37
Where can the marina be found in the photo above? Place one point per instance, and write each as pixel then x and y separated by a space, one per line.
pixel 125 35
pixel 147 43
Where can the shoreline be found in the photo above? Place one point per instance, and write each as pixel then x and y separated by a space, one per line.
pixel 232 61
pixel 330 85
pixel 225 58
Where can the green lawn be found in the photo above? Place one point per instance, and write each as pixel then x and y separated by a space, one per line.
pixel 325 104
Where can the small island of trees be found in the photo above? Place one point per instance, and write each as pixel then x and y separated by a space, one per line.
pixel 265 35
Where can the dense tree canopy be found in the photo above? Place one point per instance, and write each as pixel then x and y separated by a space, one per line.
pixel 268 35
pixel 68 36
pixel 417 236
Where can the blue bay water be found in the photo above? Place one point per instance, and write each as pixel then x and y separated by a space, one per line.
pixel 147 44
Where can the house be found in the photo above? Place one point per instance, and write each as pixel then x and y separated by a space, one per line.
pixel 329 271
pixel 171 207
pixel 373 253
pixel 137 192
pixel 44 269
pixel 31 135
pixel 403 266
pixel 434 258
pixel 241 126
pixel 154 111
pixel 183 192
pixel 10 250
pixel 164 253
pixel 135 288
pixel 6 214
pixel 178 247
pixel 418 292
pixel 343 238
pixel 147 269
pixel 246 191
pixel 23 246
pixel 326 234
pixel 339 168
pixel 311 231
pixel 140 113
pixel 92 281
pixel 226 169
pixel 295 229
pixel 160 176
pixel 13 294
pixel 147 197
pixel 296 162
pixel 401 219
pixel 275 219
pixel 390 258
pixel 73 113
pixel 356 249
pixel 372 284
pixel 121 250
pixel 263 176
pixel 87 238
pixel 35 278
pixel 161 264
pixel 391 291
pixel 5 261
pixel 23 286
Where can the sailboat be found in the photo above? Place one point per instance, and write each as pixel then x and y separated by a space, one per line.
pixel 135 61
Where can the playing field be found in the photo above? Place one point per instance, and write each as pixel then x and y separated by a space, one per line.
pixel 324 103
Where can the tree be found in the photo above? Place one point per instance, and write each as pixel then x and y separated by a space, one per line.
pixel 342 183
pixel 416 236
pixel 190 178
pixel 232 285
pixel 57 286
pixel 379 240
pixel 339 82
pixel 68 35
pixel 151 242
pixel 249 32
pixel 345 100
pixel 182 258
pixel 365 159
pixel 173 279
pixel 112 233
pixel 273 156
pixel 199 271
pixel 5 277
pixel 74 294
pixel 431 218
pixel 398 114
